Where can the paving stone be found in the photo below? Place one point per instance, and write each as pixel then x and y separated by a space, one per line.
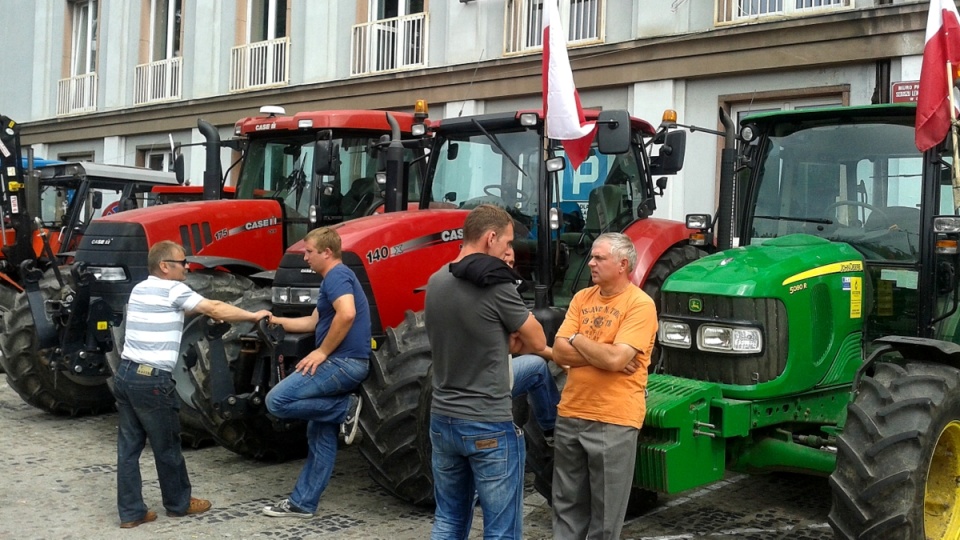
pixel 59 482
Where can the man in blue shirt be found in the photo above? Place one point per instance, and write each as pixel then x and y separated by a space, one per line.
pixel 318 391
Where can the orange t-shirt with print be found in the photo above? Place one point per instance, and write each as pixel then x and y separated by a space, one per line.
pixel 596 394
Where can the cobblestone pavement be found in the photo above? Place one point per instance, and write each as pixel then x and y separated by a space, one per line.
pixel 59 482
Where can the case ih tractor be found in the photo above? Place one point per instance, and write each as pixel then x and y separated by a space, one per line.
pixel 828 342
pixel 283 189
pixel 501 159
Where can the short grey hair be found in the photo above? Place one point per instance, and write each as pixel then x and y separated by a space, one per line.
pixel 621 247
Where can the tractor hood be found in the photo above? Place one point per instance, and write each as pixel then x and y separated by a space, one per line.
pixel 765 270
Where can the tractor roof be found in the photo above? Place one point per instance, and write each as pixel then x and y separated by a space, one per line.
pixel 512 119
pixel 104 172
pixel 338 119
pixel 833 113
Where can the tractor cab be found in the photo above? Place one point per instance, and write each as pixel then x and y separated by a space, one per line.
pixel 504 159
pixel 855 176
pixel 281 163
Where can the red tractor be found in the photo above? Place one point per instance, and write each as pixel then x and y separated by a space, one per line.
pixel 501 159
pixel 296 172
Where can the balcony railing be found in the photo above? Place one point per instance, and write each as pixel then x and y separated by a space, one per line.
pixel 389 44
pixel 158 81
pixel 740 11
pixel 77 94
pixel 260 64
pixel 523 30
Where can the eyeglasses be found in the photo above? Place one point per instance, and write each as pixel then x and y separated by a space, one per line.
pixel 181 262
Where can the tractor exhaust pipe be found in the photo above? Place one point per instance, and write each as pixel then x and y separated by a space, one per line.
pixel 212 174
pixel 728 157
pixel 395 193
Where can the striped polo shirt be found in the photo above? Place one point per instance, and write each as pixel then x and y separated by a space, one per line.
pixel 155 321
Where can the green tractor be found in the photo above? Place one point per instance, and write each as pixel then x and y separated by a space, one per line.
pixel 827 343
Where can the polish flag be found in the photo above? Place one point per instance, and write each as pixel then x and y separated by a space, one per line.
pixel 561 103
pixel 942 46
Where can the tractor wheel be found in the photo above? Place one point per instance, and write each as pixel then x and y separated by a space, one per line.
pixel 898 458
pixel 395 418
pixel 253 436
pixel 674 259
pixel 7 297
pixel 29 369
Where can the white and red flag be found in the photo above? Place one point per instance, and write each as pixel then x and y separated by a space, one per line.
pixel 942 45
pixel 561 103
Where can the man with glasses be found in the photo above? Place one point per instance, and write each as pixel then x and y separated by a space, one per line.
pixel 145 390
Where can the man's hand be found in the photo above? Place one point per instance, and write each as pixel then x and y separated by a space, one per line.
pixel 631 367
pixel 262 314
pixel 310 362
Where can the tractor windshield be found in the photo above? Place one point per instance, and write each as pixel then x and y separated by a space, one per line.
pixel 854 182
pixel 503 166
pixel 282 168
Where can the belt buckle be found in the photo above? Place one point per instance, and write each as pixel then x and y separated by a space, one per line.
pixel 144 370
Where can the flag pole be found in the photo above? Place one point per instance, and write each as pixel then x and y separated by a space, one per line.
pixel 953 134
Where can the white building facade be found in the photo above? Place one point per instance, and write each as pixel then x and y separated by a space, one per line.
pixel 114 80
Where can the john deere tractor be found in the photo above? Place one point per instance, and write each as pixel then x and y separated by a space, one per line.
pixel 827 343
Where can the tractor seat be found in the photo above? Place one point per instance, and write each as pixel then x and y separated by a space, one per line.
pixel 357 200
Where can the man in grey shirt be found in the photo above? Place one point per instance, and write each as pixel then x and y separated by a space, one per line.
pixel 475 318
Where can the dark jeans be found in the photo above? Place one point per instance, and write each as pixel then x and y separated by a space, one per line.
pixel 148 408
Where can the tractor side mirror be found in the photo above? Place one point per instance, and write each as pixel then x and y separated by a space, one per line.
pixel 452 150
pixel 613 132
pixel 97 200
pixel 178 169
pixel 326 157
pixel 672 152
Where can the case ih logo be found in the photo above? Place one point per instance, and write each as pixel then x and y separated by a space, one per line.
pixel 101 241
pixel 260 223
pixel 264 127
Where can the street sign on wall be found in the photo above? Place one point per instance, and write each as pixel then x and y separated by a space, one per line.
pixel 905 91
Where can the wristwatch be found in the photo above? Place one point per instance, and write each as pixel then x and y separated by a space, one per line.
pixel 573 337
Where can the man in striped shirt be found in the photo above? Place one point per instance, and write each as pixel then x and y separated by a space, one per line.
pixel 145 391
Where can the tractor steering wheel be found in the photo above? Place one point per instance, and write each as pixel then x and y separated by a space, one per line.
pixel 870 207
pixel 522 197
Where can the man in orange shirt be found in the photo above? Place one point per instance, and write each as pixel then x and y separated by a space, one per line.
pixel 605 340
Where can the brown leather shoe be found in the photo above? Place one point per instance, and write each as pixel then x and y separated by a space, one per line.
pixel 197 506
pixel 147 518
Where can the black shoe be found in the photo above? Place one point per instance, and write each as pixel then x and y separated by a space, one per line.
pixel 285 509
pixel 351 424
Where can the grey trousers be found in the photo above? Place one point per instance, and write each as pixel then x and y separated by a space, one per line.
pixel 592 477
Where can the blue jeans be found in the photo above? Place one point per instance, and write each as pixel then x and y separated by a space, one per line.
pixel 148 407
pixel 531 376
pixel 322 400
pixel 485 458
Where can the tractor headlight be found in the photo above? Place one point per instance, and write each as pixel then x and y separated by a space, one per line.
pixel 675 334
pixel 729 339
pixel 281 295
pixel 304 295
pixel 108 273
pixel 295 295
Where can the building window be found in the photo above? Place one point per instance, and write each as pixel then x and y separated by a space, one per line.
pixel 524 22
pixel 393 37
pixel 750 10
pixel 263 59
pixel 78 92
pixel 160 79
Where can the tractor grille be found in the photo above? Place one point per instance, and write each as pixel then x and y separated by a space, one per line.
pixel 737 369
pixel 115 244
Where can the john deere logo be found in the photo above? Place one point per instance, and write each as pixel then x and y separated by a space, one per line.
pixel 695 305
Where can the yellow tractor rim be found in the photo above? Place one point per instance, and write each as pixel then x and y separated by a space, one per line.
pixel 941 511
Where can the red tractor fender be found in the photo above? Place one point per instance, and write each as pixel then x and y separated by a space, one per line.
pixel 652 238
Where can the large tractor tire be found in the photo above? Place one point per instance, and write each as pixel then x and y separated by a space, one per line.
pixel 898 458
pixel 254 436
pixel 8 296
pixel 395 418
pixel 29 370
